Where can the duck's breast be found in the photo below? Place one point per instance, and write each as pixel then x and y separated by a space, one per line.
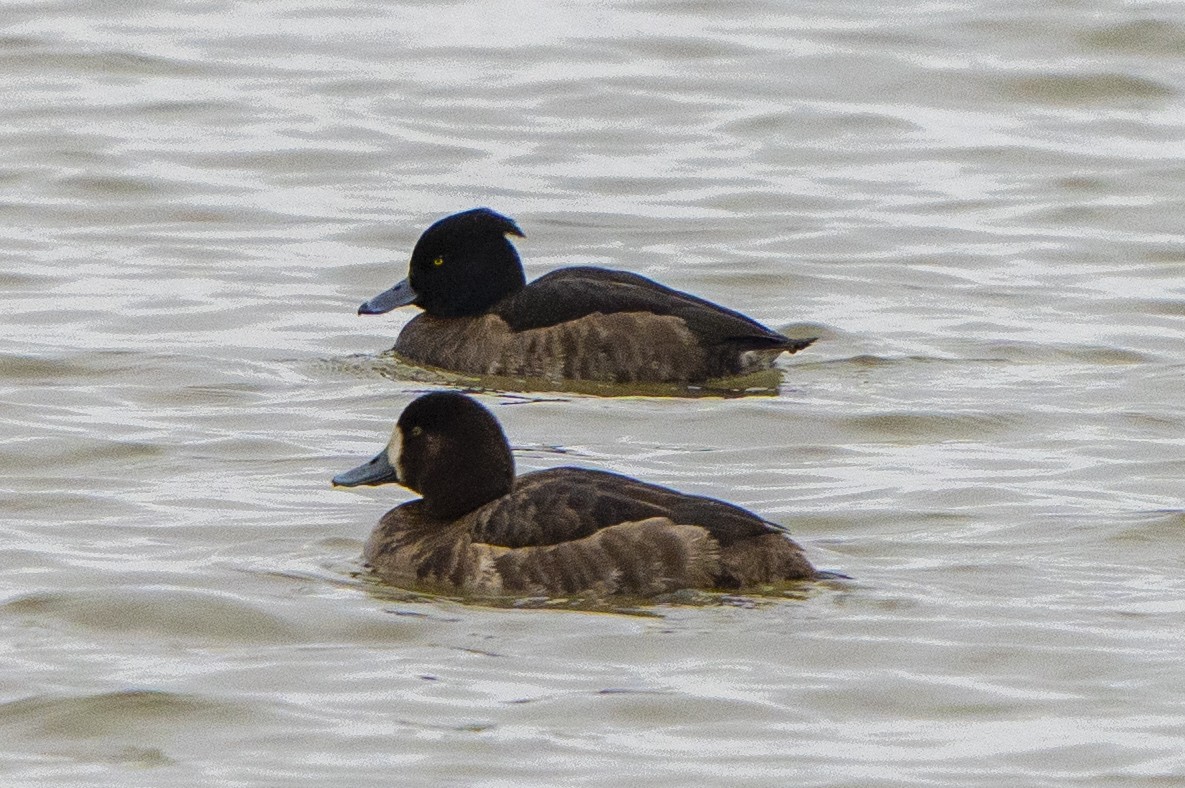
pixel 473 345
pixel 410 550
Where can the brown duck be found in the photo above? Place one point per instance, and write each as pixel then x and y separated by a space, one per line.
pixel 583 323
pixel 479 529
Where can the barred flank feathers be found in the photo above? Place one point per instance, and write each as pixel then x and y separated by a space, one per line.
pixel 643 558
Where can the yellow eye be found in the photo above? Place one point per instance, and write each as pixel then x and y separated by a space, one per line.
pixel 438 261
pixel 418 431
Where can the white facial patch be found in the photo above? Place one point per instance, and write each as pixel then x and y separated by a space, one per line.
pixel 395 453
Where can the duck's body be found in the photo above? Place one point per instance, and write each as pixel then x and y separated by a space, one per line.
pixel 580 323
pixel 480 530
pixel 569 530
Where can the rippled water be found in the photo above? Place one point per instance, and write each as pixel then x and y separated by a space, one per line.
pixel 977 206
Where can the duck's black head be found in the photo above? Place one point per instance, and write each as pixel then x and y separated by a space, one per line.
pixel 462 265
pixel 448 448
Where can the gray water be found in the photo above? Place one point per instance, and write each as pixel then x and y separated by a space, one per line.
pixel 978 207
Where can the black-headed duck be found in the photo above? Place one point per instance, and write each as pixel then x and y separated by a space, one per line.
pixel 584 323
pixel 479 529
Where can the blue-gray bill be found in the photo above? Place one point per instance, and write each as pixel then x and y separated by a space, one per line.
pixel 399 295
pixel 377 471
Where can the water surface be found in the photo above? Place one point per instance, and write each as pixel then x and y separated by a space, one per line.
pixel 976 206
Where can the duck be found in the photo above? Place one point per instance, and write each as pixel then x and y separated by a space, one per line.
pixel 478 529
pixel 481 317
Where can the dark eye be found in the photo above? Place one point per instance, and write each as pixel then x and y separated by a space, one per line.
pixel 438 261
pixel 417 432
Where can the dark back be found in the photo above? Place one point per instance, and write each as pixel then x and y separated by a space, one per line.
pixel 562 504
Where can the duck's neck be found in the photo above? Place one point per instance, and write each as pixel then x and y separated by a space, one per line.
pixel 477 476
pixel 462 500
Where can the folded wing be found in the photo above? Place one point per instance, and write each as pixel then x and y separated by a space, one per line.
pixel 564 504
pixel 572 293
